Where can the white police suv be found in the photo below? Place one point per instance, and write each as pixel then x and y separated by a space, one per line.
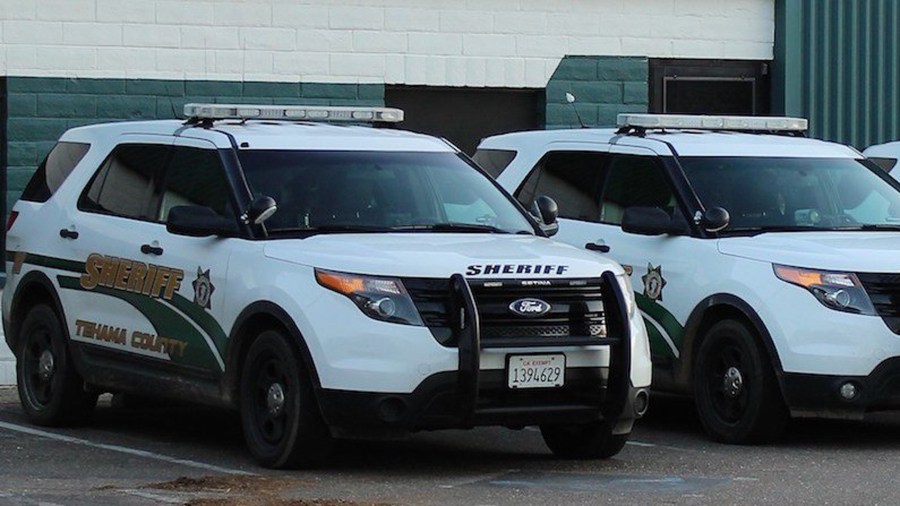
pixel 327 281
pixel 766 265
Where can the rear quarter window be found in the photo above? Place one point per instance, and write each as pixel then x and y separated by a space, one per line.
pixel 55 168
pixel 494 161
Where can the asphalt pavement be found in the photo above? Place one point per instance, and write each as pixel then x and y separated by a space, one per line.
pixel 158 454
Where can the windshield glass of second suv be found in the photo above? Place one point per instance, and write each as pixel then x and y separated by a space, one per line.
pixel 378 191
pixel 795 193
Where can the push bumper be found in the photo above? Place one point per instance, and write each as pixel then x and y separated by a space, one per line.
pixel 828 396
pixel 472 397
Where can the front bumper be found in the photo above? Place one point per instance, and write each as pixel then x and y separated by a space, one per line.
pixel 471 396
pixel 819 395
pixel 437 404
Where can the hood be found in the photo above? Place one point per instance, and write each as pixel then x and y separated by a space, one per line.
pixel 441 255
pixel 840 251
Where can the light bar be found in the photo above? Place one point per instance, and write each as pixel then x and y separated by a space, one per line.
pixel 294 113
pixel 694 122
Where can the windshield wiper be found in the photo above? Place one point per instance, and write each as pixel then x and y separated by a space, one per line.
pixel 878 226
pixel 452 227
pixel 779 228
pixel 326 229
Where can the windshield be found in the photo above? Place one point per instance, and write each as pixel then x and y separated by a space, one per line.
pixel 356 191
pixel 796 193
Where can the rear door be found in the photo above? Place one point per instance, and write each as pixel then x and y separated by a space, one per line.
pixel 140 299
pixel 113 285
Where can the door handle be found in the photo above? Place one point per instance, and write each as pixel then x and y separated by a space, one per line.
pixel 151 250
pixel 593 246
pixel 66 233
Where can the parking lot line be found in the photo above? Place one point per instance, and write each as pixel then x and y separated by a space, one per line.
pixel 122 449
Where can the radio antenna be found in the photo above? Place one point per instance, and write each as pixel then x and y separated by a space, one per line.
pixel 570 98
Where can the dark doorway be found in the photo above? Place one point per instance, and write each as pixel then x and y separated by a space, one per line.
pixel 464 116
pixel 736 87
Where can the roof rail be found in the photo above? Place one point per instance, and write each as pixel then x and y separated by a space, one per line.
pixel 211 112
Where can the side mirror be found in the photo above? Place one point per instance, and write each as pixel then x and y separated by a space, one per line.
pixel 651 221
pixel 260 210
pixel 198 221
pixel 715 219
pixel 546 209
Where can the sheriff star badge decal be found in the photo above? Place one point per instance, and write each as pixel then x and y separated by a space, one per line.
pixel 653 282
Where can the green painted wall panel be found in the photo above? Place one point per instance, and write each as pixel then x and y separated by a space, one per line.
pixel 837 63
pixel 604 87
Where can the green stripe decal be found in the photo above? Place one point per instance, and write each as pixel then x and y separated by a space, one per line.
pixel 165 321
pixel 658 344
pixel 662 317
pixel 50 262
pixel 142 303
pixel 203 320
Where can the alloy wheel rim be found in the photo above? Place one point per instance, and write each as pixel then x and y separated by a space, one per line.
pixel 726 380
pixel 270 402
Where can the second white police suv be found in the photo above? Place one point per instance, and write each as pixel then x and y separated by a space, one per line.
pixel 327 281
pixel 765 263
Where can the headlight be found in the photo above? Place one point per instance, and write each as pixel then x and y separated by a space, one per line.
pixel 380 298
pixel 627 292
pixel 841 291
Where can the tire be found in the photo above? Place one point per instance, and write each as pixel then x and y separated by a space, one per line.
pixel 51 391
pixel 735 388
pixel 282 424
pixel 593 440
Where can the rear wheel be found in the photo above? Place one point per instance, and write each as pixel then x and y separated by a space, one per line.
pixel 282 424
pixel 735 387
pixel 593 440
pixel 51 392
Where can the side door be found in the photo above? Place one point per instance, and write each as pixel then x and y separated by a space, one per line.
pixel 131 301
pixel 666 270
pixel 195 176
pixel 113 286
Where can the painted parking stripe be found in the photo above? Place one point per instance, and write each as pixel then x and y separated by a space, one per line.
pixel 123 449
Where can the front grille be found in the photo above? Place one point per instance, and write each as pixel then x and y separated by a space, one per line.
pixel 884 292
pixel 576 309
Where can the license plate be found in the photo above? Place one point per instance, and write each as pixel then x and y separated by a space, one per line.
pixel 536 371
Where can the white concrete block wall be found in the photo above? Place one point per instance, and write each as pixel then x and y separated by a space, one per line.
pixel 514 43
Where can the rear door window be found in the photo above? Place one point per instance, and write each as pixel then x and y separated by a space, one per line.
pixel 124 184
pixel 571 178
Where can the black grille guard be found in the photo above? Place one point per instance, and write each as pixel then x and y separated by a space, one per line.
pixel 465 322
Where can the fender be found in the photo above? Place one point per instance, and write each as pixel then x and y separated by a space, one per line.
pixel 34 277
pixel 237 338
pixel 695 324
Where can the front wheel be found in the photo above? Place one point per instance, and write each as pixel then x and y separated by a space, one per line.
pixel 50 389
pixel 282 424
pixel 593 440
pixel 735 388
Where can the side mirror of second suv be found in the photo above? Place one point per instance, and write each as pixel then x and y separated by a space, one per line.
pixel 651 221
pixel 198 221
pixel 547 210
